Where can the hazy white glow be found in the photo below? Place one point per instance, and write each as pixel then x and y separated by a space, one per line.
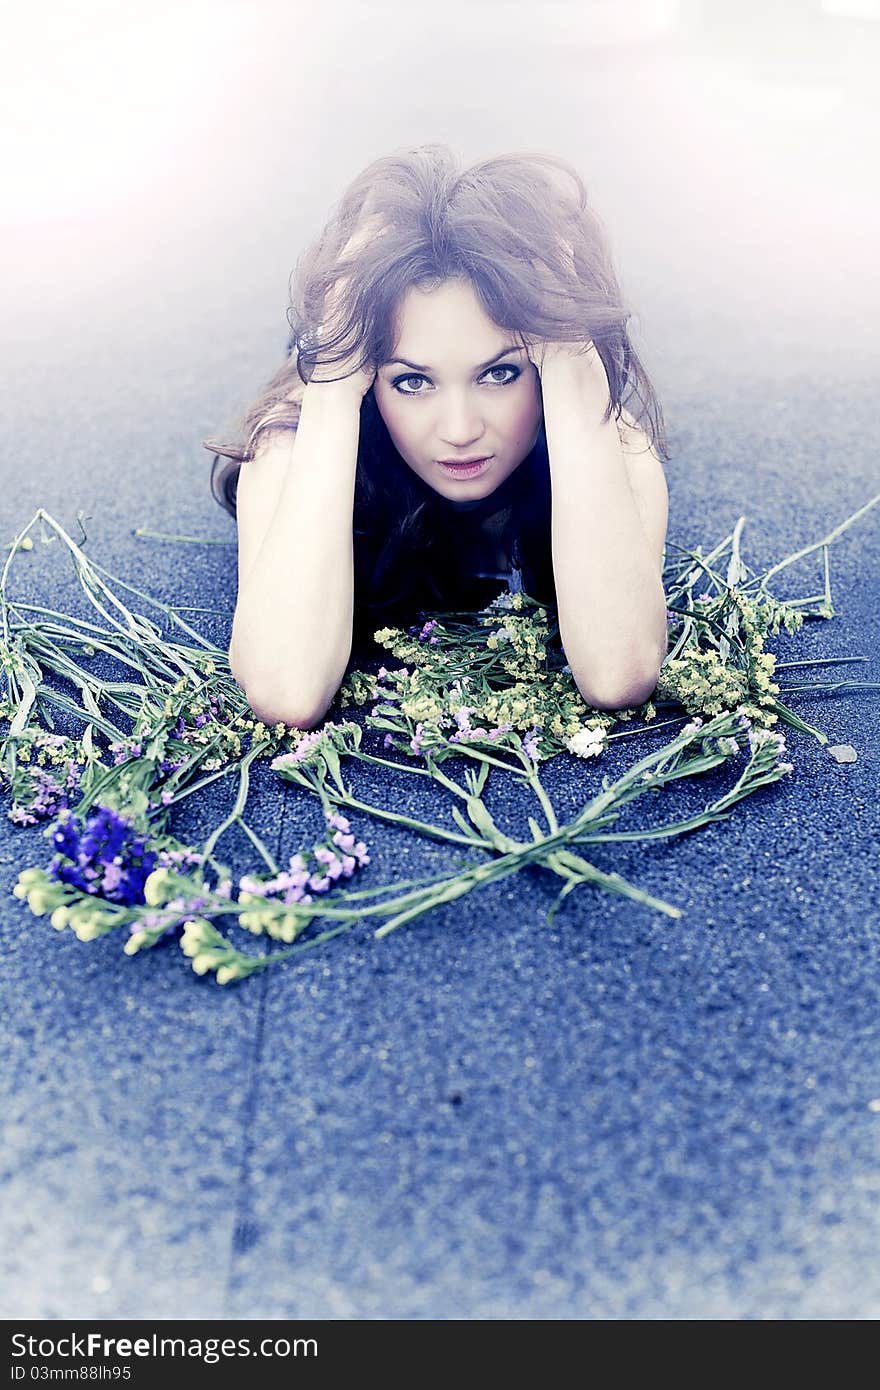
pixel 852 9
pixel 93 99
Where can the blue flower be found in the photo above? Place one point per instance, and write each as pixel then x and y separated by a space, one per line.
pixel 65 835
pixel 106 857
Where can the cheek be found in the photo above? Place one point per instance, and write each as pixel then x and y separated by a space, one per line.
pixel 523 415
pixel 394 413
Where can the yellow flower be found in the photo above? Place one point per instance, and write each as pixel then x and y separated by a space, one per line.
pixel 87 928
pixel 159 887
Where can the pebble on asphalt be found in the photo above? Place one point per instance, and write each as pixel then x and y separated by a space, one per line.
pixel 843 753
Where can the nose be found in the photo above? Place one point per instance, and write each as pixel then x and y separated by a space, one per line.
pixel 461 424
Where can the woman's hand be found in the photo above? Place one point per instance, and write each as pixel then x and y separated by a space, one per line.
pixel 345 373
pixel 582 360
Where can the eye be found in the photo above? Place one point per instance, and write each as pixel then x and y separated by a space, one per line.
pixel 398 384
pixel 503 367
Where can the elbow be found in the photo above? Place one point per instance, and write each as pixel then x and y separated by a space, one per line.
pixel 282 697
pixel 616 691
pixel 274 703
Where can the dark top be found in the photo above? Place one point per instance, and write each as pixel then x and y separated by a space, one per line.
pixel 466 552
pixel 469 553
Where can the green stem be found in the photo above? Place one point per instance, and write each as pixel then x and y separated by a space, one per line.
pixel 819 661
pixel 817 545
pixel 192 540
pixel 240 801
pixel 259 846
pixel 435 832
pixel 546 804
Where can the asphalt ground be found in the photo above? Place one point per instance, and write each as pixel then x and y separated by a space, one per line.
pixel 621 1115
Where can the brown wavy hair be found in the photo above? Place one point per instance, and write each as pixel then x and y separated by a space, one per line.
pixel 519 227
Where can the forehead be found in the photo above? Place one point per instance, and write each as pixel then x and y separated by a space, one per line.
pixel 445 321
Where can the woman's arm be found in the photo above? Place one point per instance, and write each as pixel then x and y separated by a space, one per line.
pixel 292 629
pixel 607 540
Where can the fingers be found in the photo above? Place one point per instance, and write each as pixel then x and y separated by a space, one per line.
pixel 366 231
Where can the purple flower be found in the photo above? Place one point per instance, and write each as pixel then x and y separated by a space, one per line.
pixel 427 630
pixel 415 742
pixel 304 745
pixel 316 869
pixel 123 751
pixel 107 848
pixel 50 796
pixel 530 745
pixel 112 878
pixel 65 834
pixel 169 857
pixel 248 884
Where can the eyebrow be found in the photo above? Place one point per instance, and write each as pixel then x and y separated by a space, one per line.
pixel 511 347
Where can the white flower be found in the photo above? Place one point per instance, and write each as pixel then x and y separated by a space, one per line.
pixel 693 727
pixel 501 604
pixel 586 743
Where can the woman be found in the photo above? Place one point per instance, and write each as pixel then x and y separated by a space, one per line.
pixel 450 415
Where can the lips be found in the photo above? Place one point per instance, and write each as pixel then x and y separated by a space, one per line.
pixel 461 468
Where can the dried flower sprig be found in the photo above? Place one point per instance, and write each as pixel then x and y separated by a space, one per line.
pixel 490 688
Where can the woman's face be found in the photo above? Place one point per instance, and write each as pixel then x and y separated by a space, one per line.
pixel 456 389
